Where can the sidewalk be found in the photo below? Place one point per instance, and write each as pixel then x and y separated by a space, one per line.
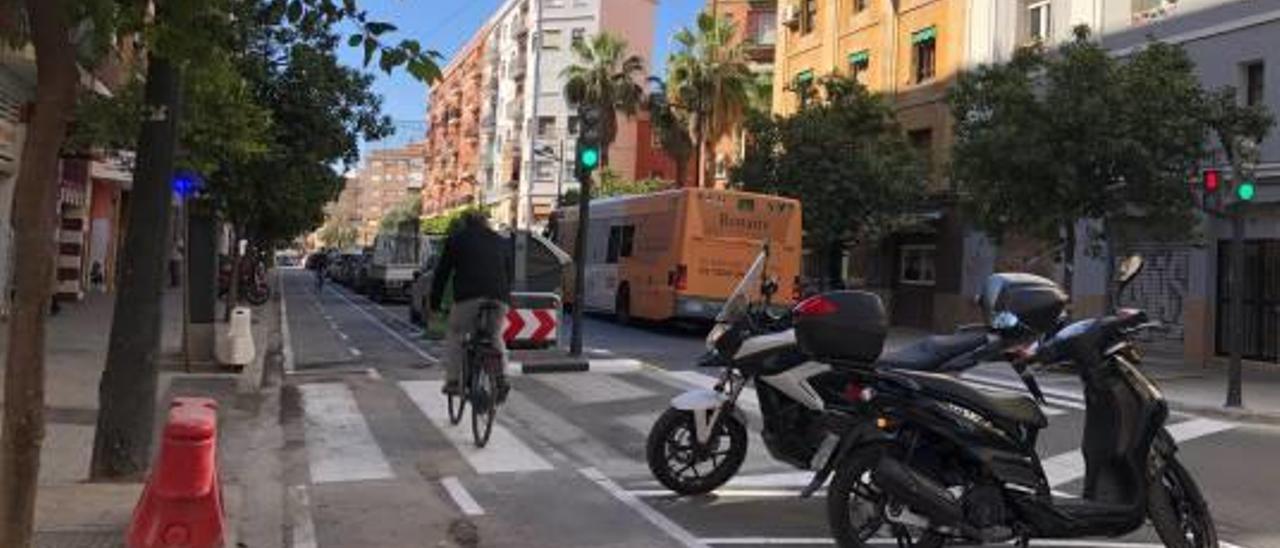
pixel 70 512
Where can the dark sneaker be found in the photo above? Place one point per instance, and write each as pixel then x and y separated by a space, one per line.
pixel 450 388
pixel 503 390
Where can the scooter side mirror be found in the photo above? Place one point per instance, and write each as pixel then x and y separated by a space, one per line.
pixel 1129 269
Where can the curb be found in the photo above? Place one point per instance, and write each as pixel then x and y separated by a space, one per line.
pixel 1242 415
pixel 574 365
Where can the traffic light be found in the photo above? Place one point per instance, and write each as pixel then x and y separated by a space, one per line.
pixel 1212 180
pixel 590 138
pixel 1245 190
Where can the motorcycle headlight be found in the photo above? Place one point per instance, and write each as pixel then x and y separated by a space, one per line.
pixel 716 332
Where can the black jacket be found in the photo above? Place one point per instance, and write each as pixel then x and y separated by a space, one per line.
pixel 479 260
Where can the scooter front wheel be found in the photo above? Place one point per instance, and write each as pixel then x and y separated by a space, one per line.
pixel 1178 510
pixel 680 464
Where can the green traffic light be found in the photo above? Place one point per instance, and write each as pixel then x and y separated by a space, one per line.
pixel 1245 191
pixel 590 158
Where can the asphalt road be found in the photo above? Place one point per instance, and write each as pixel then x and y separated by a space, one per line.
pixel 374 462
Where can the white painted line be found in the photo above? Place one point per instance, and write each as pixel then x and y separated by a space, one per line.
pixel 373 374
pixel 303 530
pixel 593 350
pixel 412 328
pixel 343 336
pixel 1068 467
pixel 820 541
pixel 340 446
pixel 287 350
pixel 728 493
pixel 615 365
pixel 780 479
pixel 647 512
pixel 589 389
pixel 796 541
pixel 388 330
pixel 354 351
pixel 504 452
pixel 461 497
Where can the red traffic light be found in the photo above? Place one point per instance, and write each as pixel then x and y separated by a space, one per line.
pixel 1211 180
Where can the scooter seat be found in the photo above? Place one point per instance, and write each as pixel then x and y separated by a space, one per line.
pixel 932 352
pixel 1018 409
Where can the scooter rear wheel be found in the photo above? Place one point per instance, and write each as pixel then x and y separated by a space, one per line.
pixel 857 510
pixel 1178 510
pixel 682 467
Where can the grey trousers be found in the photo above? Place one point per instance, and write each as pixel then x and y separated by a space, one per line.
pixel 463 320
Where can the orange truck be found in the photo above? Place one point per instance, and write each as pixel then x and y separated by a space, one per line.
pixel 678 253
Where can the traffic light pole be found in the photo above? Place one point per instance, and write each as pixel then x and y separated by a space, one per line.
pixel 1235 396
pixel 580 259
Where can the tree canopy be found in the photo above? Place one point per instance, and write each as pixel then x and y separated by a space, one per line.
pixel 844 158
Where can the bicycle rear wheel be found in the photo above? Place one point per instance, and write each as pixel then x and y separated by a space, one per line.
pixel 484 390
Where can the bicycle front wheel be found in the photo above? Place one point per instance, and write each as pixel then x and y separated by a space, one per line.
pixel 484 394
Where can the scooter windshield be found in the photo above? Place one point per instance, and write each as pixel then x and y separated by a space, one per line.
pixel 747 290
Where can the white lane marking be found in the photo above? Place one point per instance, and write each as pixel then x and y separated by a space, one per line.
pixel 779 479
pixel 373 374
pixel 647 512
pixel 1068 467
pixel 354 351
pixel 413 329
pixel 287 350
pixel 590 389
pixel 343 336
pixel 504 452
pixel 641 423
pixel 303 530
pixel 340 446
pixel 387 329
pixel 819 541
pixel 594 350
pixel 461 497
pixel 728 493
pixel 615 365
pixel 1054 397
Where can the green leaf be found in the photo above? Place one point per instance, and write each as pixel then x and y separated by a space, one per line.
pixel 378 28
pixel 354 40
pixel 370 46
pixel 295 11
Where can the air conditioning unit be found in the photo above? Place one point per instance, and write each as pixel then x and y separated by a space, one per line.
pixel 791 15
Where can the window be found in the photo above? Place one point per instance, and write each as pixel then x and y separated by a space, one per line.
pixel 722 167
pixel 1254 77
pixel 808 16
pixel 546 127
pixel 916 264
pixel 922 141
pixel 762 27
pixel 620 242
pixel 544 170
pixel 859 6
pixel 1039 21
pixel 804 87
pixel 573 125
pixel 551 39
pixel 579 34
pixel 555 3
pixel 859 62
pixel 924 51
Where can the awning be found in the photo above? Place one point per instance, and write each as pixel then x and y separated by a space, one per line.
pixel 860 57
pixel 924 35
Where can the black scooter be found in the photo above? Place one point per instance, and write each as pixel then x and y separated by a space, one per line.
pixel 945 461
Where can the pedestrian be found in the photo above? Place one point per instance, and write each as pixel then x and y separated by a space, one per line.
pixel 479 262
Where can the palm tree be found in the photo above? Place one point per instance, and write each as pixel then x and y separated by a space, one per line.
pixel 605 75
pixel 708 77
pixel 671 126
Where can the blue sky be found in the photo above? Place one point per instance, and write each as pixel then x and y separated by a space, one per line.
pixel 445 25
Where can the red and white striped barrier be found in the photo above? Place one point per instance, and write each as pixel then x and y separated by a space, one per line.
pixel 532 321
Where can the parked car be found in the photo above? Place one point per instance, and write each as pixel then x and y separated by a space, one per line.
pixel 388 272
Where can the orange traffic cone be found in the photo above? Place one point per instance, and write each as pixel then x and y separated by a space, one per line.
pixel 181 505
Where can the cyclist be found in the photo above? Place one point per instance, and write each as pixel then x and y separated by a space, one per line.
pixel 320 263
pixel 479 262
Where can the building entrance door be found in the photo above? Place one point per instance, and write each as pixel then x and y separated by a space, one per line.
pixel 1261 326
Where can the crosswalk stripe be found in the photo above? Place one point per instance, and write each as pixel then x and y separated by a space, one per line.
pixel 1068 467
pixel 340 446
pixel 593 388
pixel 504 452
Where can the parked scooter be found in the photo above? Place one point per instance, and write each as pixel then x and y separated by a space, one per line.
pixel 700 442
pixel 936 460
pixel 254 286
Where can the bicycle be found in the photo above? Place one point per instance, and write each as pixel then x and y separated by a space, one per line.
pixel 481 371
pixel 319 279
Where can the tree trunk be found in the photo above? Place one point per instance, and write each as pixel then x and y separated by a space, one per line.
pixel 34 224
pixel 127 391
pixel 701 154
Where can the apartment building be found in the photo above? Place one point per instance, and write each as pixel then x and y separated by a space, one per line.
pixel 757 32
pixel 458 110
pixel 388 179
pixel 526 129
